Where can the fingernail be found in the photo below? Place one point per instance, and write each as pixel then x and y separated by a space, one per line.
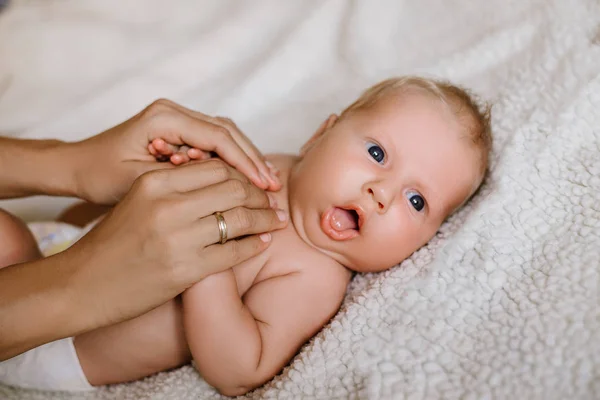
pixel 281 215
pixel 272 201
pixel 265 237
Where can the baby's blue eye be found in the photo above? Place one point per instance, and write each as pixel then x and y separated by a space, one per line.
pixel 376 152
pixel 416 200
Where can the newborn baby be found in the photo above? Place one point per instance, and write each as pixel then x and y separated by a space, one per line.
pixel 369 188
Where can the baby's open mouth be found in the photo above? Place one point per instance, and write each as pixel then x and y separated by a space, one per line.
pixel 341 223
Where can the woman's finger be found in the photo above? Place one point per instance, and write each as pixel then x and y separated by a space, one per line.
pixel 240 222
pixel 179 129
pixel 192 176
pixel 245 144
pixel 217 258
pixel 224 196
pixel 249 147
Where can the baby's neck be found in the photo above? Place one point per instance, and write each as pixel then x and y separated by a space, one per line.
pixel 287 165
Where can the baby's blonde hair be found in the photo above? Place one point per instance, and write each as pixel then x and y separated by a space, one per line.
pixel 473 117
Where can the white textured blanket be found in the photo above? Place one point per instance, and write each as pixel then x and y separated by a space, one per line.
pixel 503 303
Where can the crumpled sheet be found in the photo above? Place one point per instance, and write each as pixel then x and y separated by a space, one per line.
pixel 503 303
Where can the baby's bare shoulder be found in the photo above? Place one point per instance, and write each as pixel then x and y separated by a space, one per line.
pixel 300 301
pixel 311 273
pixel 282 161
pixel 327 272
pixel 320 278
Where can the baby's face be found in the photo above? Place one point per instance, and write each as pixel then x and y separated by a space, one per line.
pixel 375 185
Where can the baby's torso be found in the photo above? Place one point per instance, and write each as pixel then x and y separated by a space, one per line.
pixel 156 341
pixel 287 252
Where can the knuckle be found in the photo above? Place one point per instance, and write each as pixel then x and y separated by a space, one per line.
pixel 243 219
pixel 160 215
pixel 179 273
pixel 219 169
pixel 159 107
pixel 239 190
pixel 222 132
pixel 170 242
pixel 227 122
pixel 152 181
pixel 235 250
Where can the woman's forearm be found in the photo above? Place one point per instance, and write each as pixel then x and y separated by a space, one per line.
pixel 32 167
pixel 37 305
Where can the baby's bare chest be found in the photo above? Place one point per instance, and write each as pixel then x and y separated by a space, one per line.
pixel 286 254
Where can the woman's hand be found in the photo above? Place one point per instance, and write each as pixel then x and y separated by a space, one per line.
pixel 109 162
pixel 158 241
pixel 162 238
pixel 182 154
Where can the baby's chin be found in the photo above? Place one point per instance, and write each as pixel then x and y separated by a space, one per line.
pixel 367 267
pixel 351 255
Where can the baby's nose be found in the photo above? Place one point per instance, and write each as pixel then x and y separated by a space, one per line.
pixel 380 195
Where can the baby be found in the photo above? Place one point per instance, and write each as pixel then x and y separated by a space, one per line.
pixel 369 188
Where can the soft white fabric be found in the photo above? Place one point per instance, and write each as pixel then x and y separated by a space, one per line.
pixel 503 303
pixel 54 237
pixel 52 366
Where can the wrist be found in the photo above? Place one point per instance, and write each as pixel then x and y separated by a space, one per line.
pixel 34 311
pixel 32 167
pixel 57 168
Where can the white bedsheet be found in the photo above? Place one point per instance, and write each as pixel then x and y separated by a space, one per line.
pixel 503 303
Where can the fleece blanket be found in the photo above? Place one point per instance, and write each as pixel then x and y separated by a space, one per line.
pixel 503 303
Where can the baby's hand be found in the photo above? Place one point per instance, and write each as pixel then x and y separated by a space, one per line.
pixel 177 155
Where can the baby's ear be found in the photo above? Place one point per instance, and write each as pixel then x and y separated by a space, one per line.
pixel 325 125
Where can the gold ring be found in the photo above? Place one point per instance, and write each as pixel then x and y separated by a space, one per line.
pixel 222 227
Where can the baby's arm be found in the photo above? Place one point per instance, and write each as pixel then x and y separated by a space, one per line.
pixel 240 343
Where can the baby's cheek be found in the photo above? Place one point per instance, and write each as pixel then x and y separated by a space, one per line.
pixel 377 255
pixel 396 245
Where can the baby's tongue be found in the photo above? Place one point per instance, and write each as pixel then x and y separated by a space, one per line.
pixel 342 219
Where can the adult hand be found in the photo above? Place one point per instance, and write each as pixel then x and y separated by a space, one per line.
pixel 163 237
pixel 182 154
pixel 111 161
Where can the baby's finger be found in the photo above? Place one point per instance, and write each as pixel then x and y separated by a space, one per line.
pixel 183 128
pixel 181 156
pixel 164 148
pixel 159 157
pixel 252 152
pixel 197 154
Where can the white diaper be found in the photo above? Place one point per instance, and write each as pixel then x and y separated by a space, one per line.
pixel 53 366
